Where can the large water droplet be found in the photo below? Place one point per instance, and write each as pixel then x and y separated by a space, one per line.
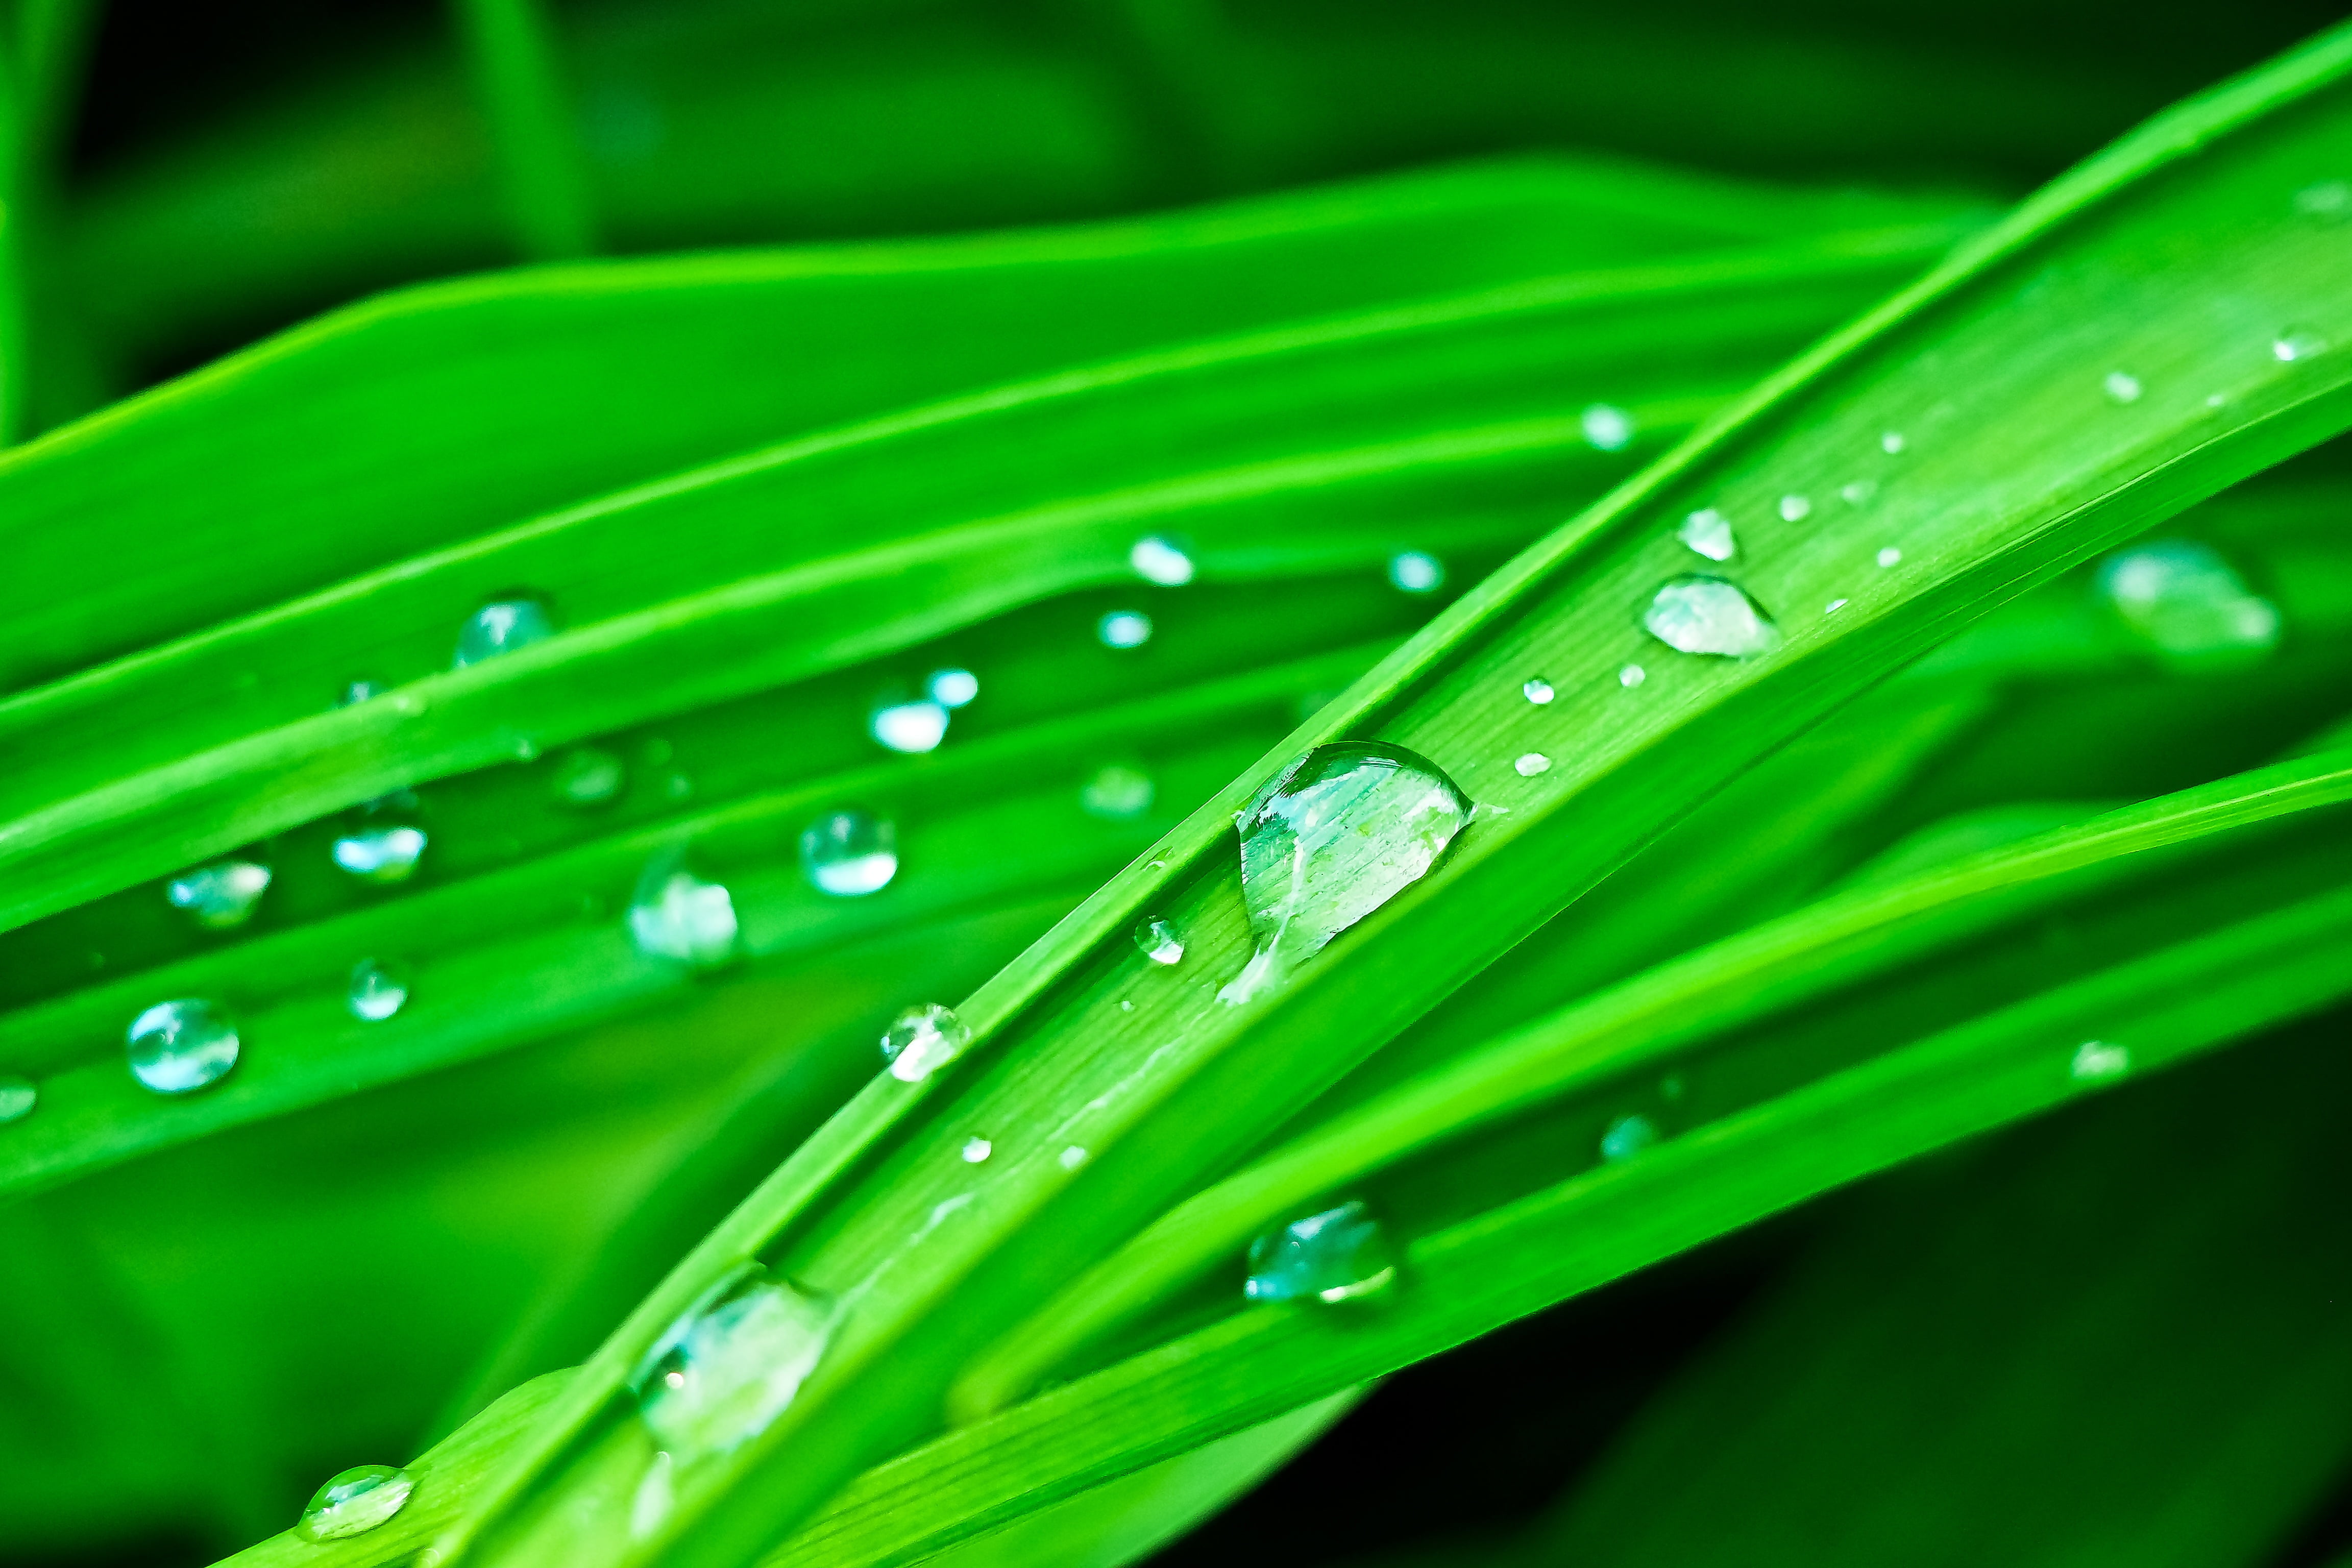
pixel 378 988
pixel 921 1040
pixel 382 841
pixel 951 688
pixel 1340 1254
pixel 1332 838
pixel 2184 600
pixel 2298 344
pixel 17 1097
pixel 502 627
pixel 1160 561
pixel 731 1363
pixel 910 727
pixel 1117 792
pixel 355 1502
pixel 1416 571
pixel 1707 614
pixel 1538 690
pixel 1628 1136
pixel 587 777
pixel 1709 531
pixel 849 853
pixel 1158 941
pixel 2122 387
pixel 220 896
pixel 676 914
pixel 1608 427
pixel 181 1045
pixel 2095 1061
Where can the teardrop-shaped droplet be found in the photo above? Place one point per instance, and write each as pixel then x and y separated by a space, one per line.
pixel 1707 614
pixel 1628 1136
pixel 17 1097
pixel 1340 1254
pixel 354 1502
pixel 1416 571
pixel 181 1045
pixel 1332 838
pixel 586 777
pixel 1117 792
pixel 378 989
pixel 2185 602
pixel 910 727
pixel 221 896
pixel 951 688
pixel 1709 531
pixel 2097 1061
pixel 382 841
pixel 849 853
pixel 501 627
pixel 1158 941
pixel 1538 690
pixel 1161 560
pixel 722 1374
pixel 921 1040
pixel 2122 387
pixel 1607 426
pixel 678 915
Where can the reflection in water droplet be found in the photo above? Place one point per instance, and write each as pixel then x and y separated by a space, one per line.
pixel 1892 555
pixel 1333 837
pixel 220 896
pixel 1157 941
pixel 1161 560
pixel 910 727
pixel 1607 427
pixel 2096 1060
pixel 951 688
pixel 1707 614
pixel 2122 387
pixel 1709 531
pixel 921 1040
pixel 382 841
pixel 2185 602
pixel 730 1363
pixel 2296 344
pixel 1795 508
pixel 587 777
pixel 849 853
pixel 1416 571
pixel 1632 675
pixel 977 1149
pixel 17 1097
pixel 1532 763
pixel 675 914
pixel 1073 1157
pixel 1860 492
pixel 354 1502
pixel 1117 792
pixel 1124 628
pixel 1628 1136
pixel 502 627
pixel 1340 1254
pixel 378 990
pixel 1891 442
pixel 1537 690
pixel 181 1045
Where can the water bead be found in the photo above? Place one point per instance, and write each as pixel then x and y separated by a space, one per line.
pixel 1709 615
pixel 382 841
pixel 182 1046
pixel 1117 792
pixel 2296 344
pixel 1340 1254
pixel 359 691
pixel 1158 942
pixel 2096 1060
pixel 1532 763
pixel 378 989
pixel 587 777
pixel 1891 555
pixel 1834 605
pixel 1416 571
pixel 977 1149
pixel 17 1097
pixel 354 1502
pixel 1709 531
pixel 911 728
pixel 1124 628
pixel 1795 508
pixel 1073 1157
pixel 1860 492
pixel 951 688
pixel 1892 442
pixel 2183 600
pixel 1627 1136
pixel 221 896
pixel 849 853
pixel 501 627
pixel 921 1040
pixel 730 1363
pixel 1607 427
pixel 1631 676
pixel 1537 690
pixel 2122 387
pixel 677 915
pixel 1161 559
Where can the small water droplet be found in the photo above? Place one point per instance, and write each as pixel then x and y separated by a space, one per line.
pixel 382 841
pixel 1338 1255
pixel 1531 764
pixel 378 990
pixel 1537 690
pixel 1628 1136
pixel 1707 614
pixel 977 1149
pixel 951 688
pixel 1795 508
pixel 181 1045
pixel 359 691
pixel 1158 942
pixel 1632 675
pixel 1859 493
pixel 2326 199
pixel 1891 555
pixel 849 853
pixel 1892 442
pixel 354 1502
pixel 587 777
pixel 1117 792
pixel 221 896
pixel 1073 1157
pixel 675 914
pixel 2185 602
pixel 1161 559
pixel 722 1374
pixel 2122 387
pixel 1126 1007
pixel 2298 344
pixel 1834 605
pixel 910 727
pixel 1416 571
pixel 1608 427
pixel 502 627
pixel 1333 837
pixel 17 1097
pixel 921 1040
pixel 1709 531
pixel 2096 1060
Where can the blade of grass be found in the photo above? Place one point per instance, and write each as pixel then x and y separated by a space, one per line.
pixel 511 54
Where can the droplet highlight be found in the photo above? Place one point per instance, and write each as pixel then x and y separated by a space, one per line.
pixel 355 1501
pixel 677 915
pixel 953 687
pixel 382 841
pixel 1158 941
pixel 2097 1061
pixel 1338 1255
pixel 911 728
pixel 1531 764
pixel 1631 676
pixel 1626 1137
pixel 733 1363
pixel 1537 691
pixel 222 896
pixel 502 627
pixel 1709 531
pixel 1892 442
pixel 182 1046
pixel 586 777
pixel 976 1149
pixel 1709 615
pixel 1890 555
pixel 2185 602
pixel 1607 428
pixel 2122 387
pixel 1416 571
pixel 378 989
pixel 849 853
pixel 2298 344
pixel 921 1040
pixel 1158 559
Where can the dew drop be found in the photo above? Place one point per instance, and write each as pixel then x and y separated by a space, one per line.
pixel 1709 531
pixel 1860 492
pixel 1890 555
pixel 1834 605
pixel 2097 1061
pixel 1538 690
pixel 586 777
pixel 382 841
pixel 1338 1255
pixel 17 1097
pixel 1158 942
pixel 2184 600
pixel 359 691
pixel 1416 571
pixel 2296 344
pixel 1073 1156
pixel 849 853
pixel 1117 792
pixel 675 914
pixel 1707 614
pixel 921 1040
pixel 1608 427
pixel 377 991
pixel 2122 387
pixel 1628 1136
pixel 502 627
pixel 222 896
pixel 181 1045
pixel 1124 628
pixel 1531 764
pixel 1126 1007
pixel 951 688
pixel 912 728
pixel 1161 559
pixel 977 1149
pixel 1892 442
pixel 722 1374
pixel 1795 508
pixel 354 1502
pixel 1632 675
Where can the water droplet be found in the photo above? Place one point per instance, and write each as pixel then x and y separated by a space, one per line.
pixel 1834 605
pixel 1416 571
pixel 2096 1060
pixel 17 1097
pixel 1158 942
pixel 953 687
pixel 2296 344
pixel 1608 427
pixel 1073 1156
pixel 656 1496
pixel 731 1363
pixel 359 691
pixel 1161 560
pixel 1628 1136
pixel 1707 614
pixel 2122 387
pixel 221 896
pixel 354 1502
pixel 587 777
pixel 2185 600
pixel 921 1040
pixel 849 853
pixel 382 841
pixel 2327 199
pixel 502 627
pixel 1532 763
pixel 1340 1254
pixel 1891 555
pixel 1333 837
pixel 1117 792
pixel 1632 675
pixel 1538 690
pixel 910 727
pixel 1126 1007
pixel 1795 508
pixel 179 1047
pixel 1860 492
pixel 1709 531
pixel 1892 442
pixel 678 915
pixel 378 990
pixel 977 1149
